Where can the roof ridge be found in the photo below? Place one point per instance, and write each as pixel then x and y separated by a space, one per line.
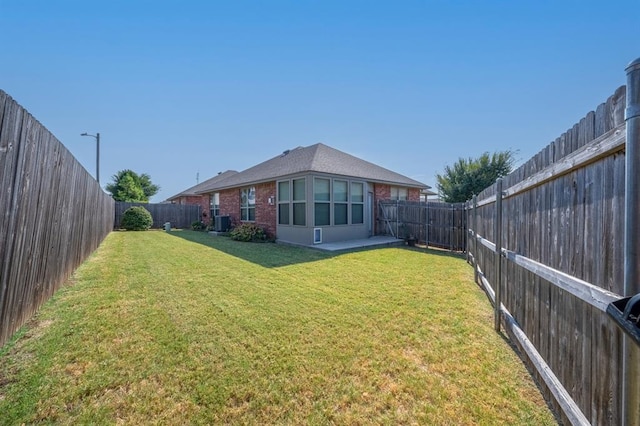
pixel 316 158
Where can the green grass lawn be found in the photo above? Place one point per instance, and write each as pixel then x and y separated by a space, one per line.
pixel 185 328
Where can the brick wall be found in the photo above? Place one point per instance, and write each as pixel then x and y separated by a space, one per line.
pixel 381 192
pixel 265 213
pixel 230 205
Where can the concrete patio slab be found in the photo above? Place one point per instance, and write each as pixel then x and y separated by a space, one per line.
pixel 378 240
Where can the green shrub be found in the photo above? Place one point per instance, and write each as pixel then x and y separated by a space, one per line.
pixel 248 232
pixel 136 218
pixel 198 226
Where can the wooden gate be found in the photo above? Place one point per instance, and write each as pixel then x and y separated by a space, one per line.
pixel 431 223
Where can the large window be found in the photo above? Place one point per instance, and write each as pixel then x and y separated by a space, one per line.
pixel 336 202
pixel 284 203
pixel 340 202
pixel 299 202
pixel 357 203
pixel 292 202
pixel 398 193
pixel 248 204
pixel 214 205
pixel 322 201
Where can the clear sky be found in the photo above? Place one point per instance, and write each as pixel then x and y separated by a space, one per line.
pixel 181 88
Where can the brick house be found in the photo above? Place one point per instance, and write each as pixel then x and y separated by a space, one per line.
pixel 307 195
pixel 190 196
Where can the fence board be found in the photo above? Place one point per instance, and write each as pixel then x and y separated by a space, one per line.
pixel 562 227
pixel 179 215
pixel 46 226
pixel 435 224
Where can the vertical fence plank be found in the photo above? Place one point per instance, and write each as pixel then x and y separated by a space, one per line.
pixel 179 215
pixel 498 241
pixel 630 352
pixel 44 193
pixel 571 222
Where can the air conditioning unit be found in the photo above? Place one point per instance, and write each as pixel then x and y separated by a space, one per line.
pixel 222 223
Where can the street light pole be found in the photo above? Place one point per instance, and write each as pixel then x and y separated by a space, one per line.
pixel 97 137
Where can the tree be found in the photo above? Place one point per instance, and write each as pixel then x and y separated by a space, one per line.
pixel 131 187
pixel 469 177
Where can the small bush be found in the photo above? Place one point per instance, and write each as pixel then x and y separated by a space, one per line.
pixel 248 232
pixel 136 218
pixel 198 226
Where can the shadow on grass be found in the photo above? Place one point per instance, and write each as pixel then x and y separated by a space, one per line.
pixel 434 251
pixel 268 255
pixel 273 255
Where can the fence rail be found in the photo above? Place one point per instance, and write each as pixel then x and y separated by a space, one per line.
pixel 179 215
pixel 53 215
pixel 556 261
pixel 435 224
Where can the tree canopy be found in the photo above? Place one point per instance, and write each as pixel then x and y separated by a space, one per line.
pixel 129 186
pixel 469 177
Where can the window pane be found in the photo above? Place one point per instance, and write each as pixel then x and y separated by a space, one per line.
pixel 340 214
pixel 357 193
pixel 299 214
pixel 243 197
pixel 215 200
pixel 252 213
pixel 340 190
pixel 283 214
pixel 321 189
pixel 283 191
pixel 251 198
pixel 244 214
pixel 394 192
pixel 322 214
pixel 298 190
pixel 402 193
pixel 357 213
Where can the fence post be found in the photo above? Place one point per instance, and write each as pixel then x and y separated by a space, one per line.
pixel 453 222
pixel 397 218
pixel 475 239
pixel 427 227
pixel 466 229
pixel 498 256
pixel 630 352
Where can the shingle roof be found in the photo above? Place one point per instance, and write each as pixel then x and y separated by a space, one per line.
pixel 203 186
pixel 318 158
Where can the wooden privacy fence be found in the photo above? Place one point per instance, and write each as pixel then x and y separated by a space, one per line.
pixel 547 245
pixel 431 223
pixel 179 215
pixel 53 215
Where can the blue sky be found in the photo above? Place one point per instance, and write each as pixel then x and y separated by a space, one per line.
pixel 179 89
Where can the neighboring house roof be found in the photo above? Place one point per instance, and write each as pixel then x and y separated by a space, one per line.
pixel 198 189
pixel 317 158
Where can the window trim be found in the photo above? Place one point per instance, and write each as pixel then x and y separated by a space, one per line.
pixel 344 203
pixel 214 209
pixel 249 206
pixel 322 199
pixel 353 203
pixel 398 196
pixel 284 202
pixel 293 204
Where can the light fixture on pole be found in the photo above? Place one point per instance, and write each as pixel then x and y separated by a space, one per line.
pixel 97 137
